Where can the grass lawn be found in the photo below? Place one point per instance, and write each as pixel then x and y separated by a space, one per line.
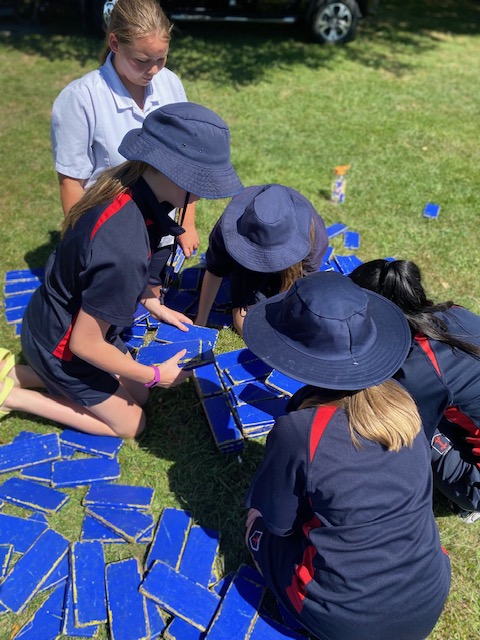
pixel 400 104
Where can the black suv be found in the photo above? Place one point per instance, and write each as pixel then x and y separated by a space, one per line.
pixel 333 21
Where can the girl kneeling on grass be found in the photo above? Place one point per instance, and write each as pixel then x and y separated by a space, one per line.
pixel 99 273
pixel 442 372
pixel 267 237
pixel 340 520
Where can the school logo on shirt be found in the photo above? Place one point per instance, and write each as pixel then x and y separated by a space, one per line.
pixel 441 444
pixel 254 540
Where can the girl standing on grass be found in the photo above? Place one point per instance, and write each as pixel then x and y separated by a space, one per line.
pixel 267 237
pixel 442 372
pixel 340 520
pixel 92 114
pixel 99 273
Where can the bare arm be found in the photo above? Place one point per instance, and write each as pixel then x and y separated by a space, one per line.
pixel 71 190
pixel 152 304
pixel 210 286
pixel 189 241
pixel 87 341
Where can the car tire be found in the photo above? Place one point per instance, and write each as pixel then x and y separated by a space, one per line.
pixel 334 21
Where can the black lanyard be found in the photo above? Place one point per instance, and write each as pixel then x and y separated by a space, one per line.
pixel 169 267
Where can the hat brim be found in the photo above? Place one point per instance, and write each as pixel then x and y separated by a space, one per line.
pixel 199 180
pixel 257 258
pixel 379 364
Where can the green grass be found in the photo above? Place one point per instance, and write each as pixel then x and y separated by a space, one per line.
pixel 400 104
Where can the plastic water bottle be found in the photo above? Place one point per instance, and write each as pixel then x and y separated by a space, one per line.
pixel 339 184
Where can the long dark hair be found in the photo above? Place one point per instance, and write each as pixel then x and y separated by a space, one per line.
pixel 401 282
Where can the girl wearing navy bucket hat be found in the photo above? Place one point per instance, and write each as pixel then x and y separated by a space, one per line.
pixel 267 237
pixel 99 273
pixel 340 518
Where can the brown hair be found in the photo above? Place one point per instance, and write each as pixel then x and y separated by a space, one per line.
pixel 110 184
pixel 385 413
pixel 132 19
pixel 291 274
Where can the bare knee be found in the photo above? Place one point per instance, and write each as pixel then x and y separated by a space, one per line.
pixel 132 426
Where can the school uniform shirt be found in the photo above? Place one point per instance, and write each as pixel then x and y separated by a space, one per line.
pixel 100 266
pixel 440 378
pixel 92 114
pixel 370 566
pixel 249 287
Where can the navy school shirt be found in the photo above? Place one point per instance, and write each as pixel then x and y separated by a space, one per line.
pixel 245 284
pixel 101 266
pixel 439 377
pixel 373 567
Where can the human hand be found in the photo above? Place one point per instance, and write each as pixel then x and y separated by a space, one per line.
pixel 171 374
pixel 175 318
pixel 189 241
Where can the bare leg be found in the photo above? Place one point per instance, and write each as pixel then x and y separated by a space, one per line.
pixel 119 415
pixel 24 376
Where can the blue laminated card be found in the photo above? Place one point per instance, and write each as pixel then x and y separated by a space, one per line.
pixel 127 609
pixel 18 301
pixel 251 392
pixel 88 571
pixel 20 532
pixel 346 264
pixel 82 471
pixel 31 571
pixel 28 451
pixel 248 371
pixel 283 383
pixel 155 352
pixel 69 628
pixel 47 620
pixel 178 629
pixel 128 523
pixel 93 529
pixel 431 210
pixel 207 381
pixel 222 423
pixel 18 287
pixel 120 495
pixel 336 229
pixel 232 358
pixel 169 333
pixel 96 445
pixel 31 495
pixel 23 275
pixel 351 240
pixel 58 575
pixel 199 555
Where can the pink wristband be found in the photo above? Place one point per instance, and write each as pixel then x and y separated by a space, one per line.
pixel 156 377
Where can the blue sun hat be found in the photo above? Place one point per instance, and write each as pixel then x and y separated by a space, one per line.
pixel 328 332
pixel 189 144
pixel 266 228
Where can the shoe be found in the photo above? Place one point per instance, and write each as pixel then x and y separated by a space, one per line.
pixel 7 387
pixel 469 517
pixel 9 362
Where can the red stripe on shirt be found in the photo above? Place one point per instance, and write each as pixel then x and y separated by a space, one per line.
pixel 304 573
pixel 111 210
pixel 424 344
pixel 455 415
pixel 322 418
pixel 62 350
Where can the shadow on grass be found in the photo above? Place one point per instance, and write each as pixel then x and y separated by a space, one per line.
pixel 243 53
pixel 38 256
pixel 209 484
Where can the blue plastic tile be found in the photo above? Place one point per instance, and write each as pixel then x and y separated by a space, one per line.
pixel 237 611
pixel 32 569
pixel 107 446
pixel 20 287
pixel 31 495
pixel 68 627
pixel 170 537
pixel 93 529
pixel 120 495
pixel 263 412
pixel 14 315
pixel 83 471
pixel 88 578
pixel 221 421
pixel 347 264
pixel 169 333
pixel 127 609
pixel 22 275
pixel 207 381
pixel 179 595
pixel 252 392
pixel 336 229
pixel 156 352
pixel 351 240
pixel 6 551
pixel 248 371
pixel 58 575
pixel 128 523
pixel 46 623
pixel 39 472
pixel 431 210
pixel 283 383
pixel 199 556
pixel 155 620
pixel 28 451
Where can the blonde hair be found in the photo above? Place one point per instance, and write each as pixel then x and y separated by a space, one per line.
pixel 385 413
pixel 132 19
pixel 110 184
pixel 293 273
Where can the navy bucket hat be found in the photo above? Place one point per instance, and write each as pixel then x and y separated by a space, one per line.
pixel 328 332
pixel 266 228
pixel 189 144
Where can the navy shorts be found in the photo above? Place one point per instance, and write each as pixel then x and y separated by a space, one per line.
pixel 76 379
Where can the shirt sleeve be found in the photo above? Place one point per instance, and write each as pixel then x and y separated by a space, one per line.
pixel 117 270
pixel 71 133
pixel 218 260
pixel 313 261
pixel 278 488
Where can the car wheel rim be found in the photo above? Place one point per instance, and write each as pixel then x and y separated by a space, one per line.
pixel 334 22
